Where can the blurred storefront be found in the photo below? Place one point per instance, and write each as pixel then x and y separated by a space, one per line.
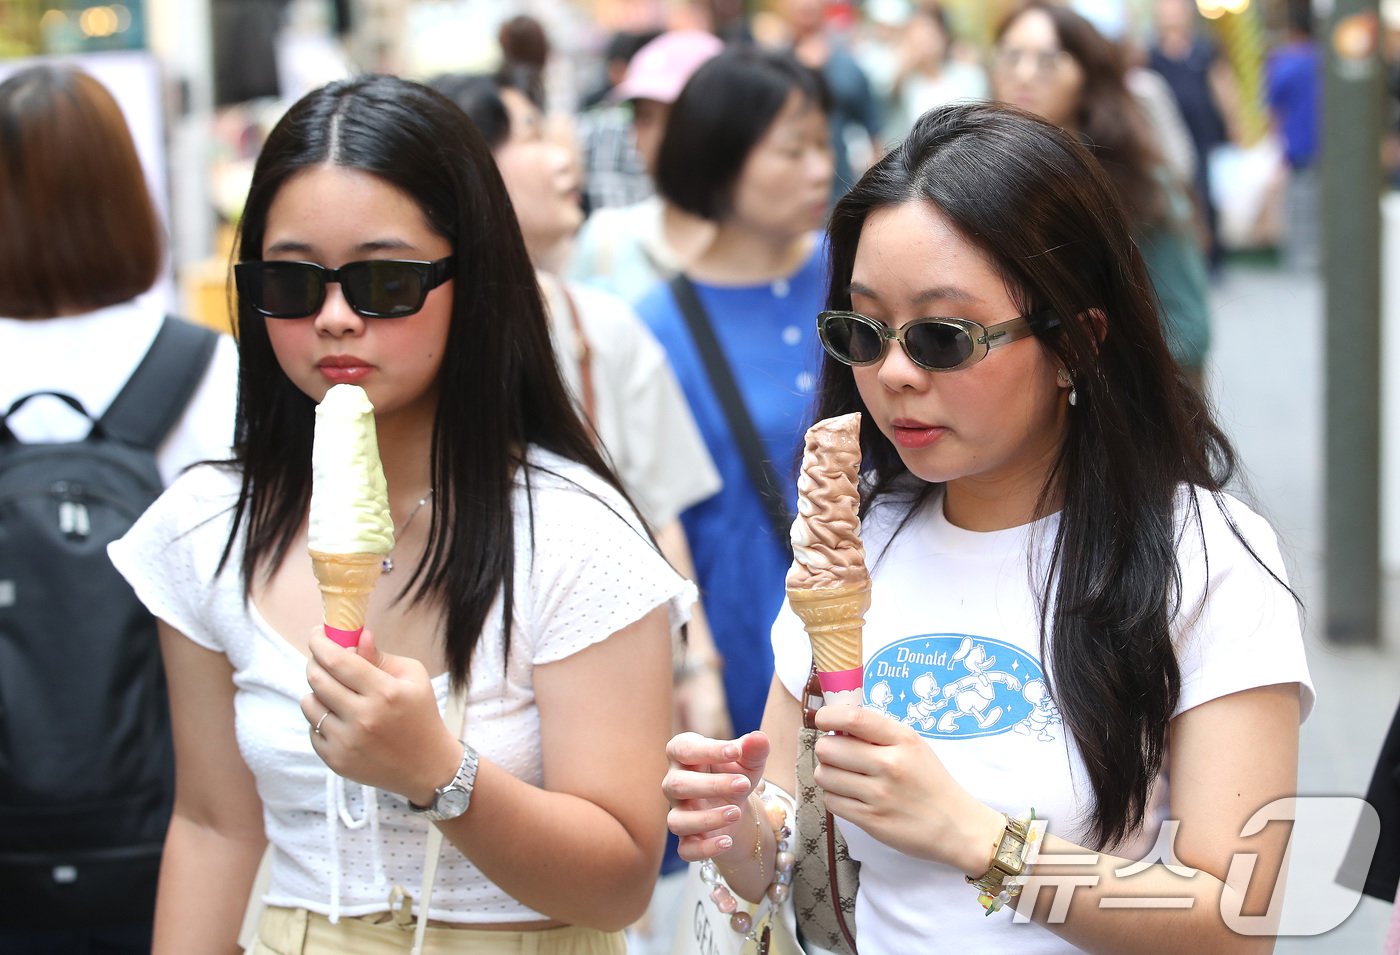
pixel 225 69
pixel 34 27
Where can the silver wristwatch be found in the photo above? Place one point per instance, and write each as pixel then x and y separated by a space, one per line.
pixel 452 800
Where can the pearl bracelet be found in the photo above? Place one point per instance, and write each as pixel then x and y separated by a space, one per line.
pixel 778 807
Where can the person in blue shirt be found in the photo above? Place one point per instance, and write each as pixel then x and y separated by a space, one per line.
pixel 762 174
pixel 1294 76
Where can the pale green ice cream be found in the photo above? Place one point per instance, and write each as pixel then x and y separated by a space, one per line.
pixel 349 497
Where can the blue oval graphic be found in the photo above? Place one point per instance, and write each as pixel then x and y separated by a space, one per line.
pixel 960 686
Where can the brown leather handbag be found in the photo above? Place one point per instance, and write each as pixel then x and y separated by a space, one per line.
pixel 825 876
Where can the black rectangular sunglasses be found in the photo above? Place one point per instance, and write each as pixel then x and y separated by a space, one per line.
pixel 374 288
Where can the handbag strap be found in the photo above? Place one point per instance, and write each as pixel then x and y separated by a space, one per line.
pixel 456 715
pixel 813 692
pixel 762 474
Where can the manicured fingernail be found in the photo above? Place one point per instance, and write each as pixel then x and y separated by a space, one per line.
pixel 733 814
pixel 725 842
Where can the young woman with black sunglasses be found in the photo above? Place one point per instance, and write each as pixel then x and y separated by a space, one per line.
pixel 378 247
pixel 1075 634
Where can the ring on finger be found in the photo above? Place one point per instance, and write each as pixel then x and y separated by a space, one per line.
pixel 317 728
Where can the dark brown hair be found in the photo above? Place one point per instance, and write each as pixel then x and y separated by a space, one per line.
pixel 1108 118
pixel 1035 203
pixel 78 227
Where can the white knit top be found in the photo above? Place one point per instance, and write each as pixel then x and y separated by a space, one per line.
pixel 339 847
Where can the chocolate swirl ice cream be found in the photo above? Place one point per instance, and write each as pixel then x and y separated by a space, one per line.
pixel 828 585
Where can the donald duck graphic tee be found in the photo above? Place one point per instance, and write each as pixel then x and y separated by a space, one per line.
pixel 952 650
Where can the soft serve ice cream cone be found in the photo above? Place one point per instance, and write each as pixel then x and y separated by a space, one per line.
pixel 350 530
pixel 828 585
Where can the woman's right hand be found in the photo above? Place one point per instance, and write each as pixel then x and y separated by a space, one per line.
pixel 708 784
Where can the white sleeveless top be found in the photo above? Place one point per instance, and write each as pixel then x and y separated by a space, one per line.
pixel 339 848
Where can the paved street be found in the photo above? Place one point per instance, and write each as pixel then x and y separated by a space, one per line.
pixel 1267 382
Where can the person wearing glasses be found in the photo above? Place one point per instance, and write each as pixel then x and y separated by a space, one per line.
pixel 1096 643
pixel 1051 61
pixel 378 247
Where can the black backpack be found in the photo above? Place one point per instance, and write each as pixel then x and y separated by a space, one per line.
pixel 86 761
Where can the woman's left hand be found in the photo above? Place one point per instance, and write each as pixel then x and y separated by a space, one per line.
pixel 374 718
pixel 884 778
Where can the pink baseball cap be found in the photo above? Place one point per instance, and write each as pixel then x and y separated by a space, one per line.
pixel 660 69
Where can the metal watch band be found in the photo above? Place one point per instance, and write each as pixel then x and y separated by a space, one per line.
pixel 455 798
pixel 1014 836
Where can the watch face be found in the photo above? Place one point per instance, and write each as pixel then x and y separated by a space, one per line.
pixel 451 803
pixel 1010 857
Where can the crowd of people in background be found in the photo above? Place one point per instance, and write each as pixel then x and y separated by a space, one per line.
pixel 649 268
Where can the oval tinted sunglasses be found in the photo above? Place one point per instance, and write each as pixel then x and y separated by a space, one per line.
pixel 934 344
pixel 374 288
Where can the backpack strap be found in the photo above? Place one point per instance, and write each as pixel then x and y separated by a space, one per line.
pixel 157 392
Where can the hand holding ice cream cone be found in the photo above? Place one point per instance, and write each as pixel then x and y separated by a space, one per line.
pixel 828 585
pixel 350 531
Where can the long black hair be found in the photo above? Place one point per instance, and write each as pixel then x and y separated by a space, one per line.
pixel 500 389
pixel 1048 219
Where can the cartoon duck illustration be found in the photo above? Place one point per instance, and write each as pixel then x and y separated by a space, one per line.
pixel 972 695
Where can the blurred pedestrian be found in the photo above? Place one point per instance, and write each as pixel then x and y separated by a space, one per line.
pixel 1054 63
pixel 628 249
pixel 85 753
pixel 929 74
pixel 1206 94
pixel 613 171
pixel 525 51
pixel 1294 77
pixel 1158 104
pixel 746 147
pixel 857 114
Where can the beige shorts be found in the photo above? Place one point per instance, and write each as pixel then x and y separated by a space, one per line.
pixel 299 932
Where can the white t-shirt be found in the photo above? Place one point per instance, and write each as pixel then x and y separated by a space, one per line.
pixel 952 648
pixel 642 417
pixel 623 250
pixel 90 357
pixel 338 847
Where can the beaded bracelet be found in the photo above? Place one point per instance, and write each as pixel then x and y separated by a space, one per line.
pixel 1011 888
pixel 779 808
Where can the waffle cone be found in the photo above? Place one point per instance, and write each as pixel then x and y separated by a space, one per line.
pixel 834 618
pixel 346 581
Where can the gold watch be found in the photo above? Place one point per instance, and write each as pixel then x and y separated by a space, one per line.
pixel 1009 859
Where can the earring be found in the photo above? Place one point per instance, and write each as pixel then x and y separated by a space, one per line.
pixel 1064 379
